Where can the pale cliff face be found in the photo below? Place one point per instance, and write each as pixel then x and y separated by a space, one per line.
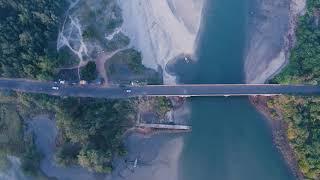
pixel 162 30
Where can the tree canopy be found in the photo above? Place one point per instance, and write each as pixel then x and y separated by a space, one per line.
pixel 302 114
pixel 28 30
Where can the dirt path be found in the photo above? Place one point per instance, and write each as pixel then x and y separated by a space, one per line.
pixel 100 63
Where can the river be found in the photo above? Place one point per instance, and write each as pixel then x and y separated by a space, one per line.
pixel 230 139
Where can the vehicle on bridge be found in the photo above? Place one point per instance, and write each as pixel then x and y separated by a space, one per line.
pixel 55 88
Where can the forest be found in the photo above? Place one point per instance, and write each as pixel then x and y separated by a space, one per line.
pixel 28 33
pixel 91 130
pixel 302 114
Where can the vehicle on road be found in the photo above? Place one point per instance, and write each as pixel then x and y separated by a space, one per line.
pixel 55 87
pixel 128 90
pixel 83 82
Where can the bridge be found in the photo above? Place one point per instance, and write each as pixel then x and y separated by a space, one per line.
pixel 95 91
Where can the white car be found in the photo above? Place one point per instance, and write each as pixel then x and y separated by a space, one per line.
pixel 128 90
pixel 55 88
pixel 62 82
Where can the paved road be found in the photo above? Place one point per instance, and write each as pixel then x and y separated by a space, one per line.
pixel 157 90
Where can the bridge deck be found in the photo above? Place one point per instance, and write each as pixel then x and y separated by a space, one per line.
pixel 157 90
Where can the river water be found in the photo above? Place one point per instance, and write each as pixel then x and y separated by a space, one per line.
pixel 230 139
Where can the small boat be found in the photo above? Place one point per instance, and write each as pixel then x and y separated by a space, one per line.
pixel 186 59
pixel 135 163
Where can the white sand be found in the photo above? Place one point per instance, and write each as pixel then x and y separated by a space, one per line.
pixel 298 7
pixel 269 68
pixel 162 29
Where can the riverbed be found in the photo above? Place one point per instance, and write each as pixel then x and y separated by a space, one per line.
pixel 230 139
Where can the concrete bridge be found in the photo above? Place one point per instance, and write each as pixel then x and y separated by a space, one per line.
pixel 51 88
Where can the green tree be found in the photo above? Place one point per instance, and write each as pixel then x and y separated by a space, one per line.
pixel 95 160
pixel 89 72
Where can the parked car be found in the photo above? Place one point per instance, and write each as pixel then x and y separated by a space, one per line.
pixel 83 82
pixel 62 81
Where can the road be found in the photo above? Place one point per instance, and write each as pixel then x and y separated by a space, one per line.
pixel 22 85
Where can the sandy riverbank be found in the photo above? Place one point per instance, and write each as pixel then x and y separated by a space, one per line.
pixel 157 154
pixel 157 158
pixel 162 30
pixel 271 36
pixel 157 151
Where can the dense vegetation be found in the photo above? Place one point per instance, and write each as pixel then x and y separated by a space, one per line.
pixel 98 19
pixel 95 128
pixel 13 139
pixel 162 106
pixel 304 66
pixel 90 129
pixel 28 30
pixel 302 114
pixel 118 41
pixel 89 72
pixel 126 66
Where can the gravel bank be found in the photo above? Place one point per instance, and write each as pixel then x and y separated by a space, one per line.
pixel 271 36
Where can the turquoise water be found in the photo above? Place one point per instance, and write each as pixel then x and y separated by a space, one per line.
pixel 230 139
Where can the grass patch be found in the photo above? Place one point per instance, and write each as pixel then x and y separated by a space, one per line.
pixel 126 66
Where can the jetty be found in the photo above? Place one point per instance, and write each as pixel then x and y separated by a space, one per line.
pixel 165 126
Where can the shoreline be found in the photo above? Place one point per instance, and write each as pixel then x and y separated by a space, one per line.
pixel 296 10
pixel 157 157
pixel 277 125
pixel 162 30
pixel 278 130
pixel 266 53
